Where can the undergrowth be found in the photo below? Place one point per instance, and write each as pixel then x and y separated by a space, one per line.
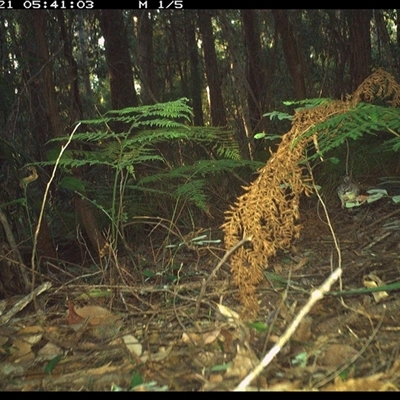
pixel 157 160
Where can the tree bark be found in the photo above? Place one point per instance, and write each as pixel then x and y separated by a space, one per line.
pixel 122 90
pixel 217 109
pixel 242 89
pixel 76 109
pixel 145 57
pixel 291 52
pixel 384 39
pixel 255 70
pixel 82 207
pixel 195 77
pixel 360 46
pixel 39 80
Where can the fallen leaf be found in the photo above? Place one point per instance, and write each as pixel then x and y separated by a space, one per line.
pixel 228 313
pixel 133 345
pixel 244 361
pixel 21 352
pixel 31 334
pixel 337 354
pixel 97 315
pixel 373 281
pixel 73 318
pixel 369 383
pixel 201 340
pixel 48 352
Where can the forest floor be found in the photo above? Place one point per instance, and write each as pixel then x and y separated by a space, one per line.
pixel 168 328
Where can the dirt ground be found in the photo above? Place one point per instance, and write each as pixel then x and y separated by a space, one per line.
pixel 165 325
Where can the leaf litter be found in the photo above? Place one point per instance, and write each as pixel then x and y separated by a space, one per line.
pixel 143 336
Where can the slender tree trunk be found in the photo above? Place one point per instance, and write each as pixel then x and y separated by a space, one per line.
pixel 237 75
pixel 195 77
pixel 82 206
pixel 384 39
pixel 291 52
pixel 398 38
pixel 122 90
pixel 76 109
pixel 217 109
pixel 339 45
pixel 360 46
pixel 255 70
pixel 145 57
pixel 84 62
pixel 39 80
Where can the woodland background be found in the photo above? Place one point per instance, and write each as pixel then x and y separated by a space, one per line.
pixel 59 67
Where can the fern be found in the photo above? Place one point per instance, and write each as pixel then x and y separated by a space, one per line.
pixel 194 192
pixel 114 157
pixel 364 119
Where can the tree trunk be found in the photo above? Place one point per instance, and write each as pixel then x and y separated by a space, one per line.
pixel 255 70
pixel 76 109
pixel 145 57
pixel 217 109
pixel 82 206
pixel 360 46
pixel 83 52
pixel 291 52
pixel 238 79
pixel 122 90
pixel 195 77
pixel 39 80
pixel 384 39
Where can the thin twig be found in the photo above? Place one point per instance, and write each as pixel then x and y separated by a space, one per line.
pixel 14 249
pixel 215 270
pixel 46 192
pixel 315 296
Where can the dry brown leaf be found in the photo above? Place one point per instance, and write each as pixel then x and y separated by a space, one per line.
pixel 210 337
pixel 31 334
pixel 133 345
pixel 244 361
pixel 373 281
pixel 303 332
pixel 337 354
pixel 97 315
pixel 228 312
pixel 104 323
pixel 300 264
pixel 21 352
pixel 201 340
pixel 191 338
pixel 48 352
pixel 370 383
pixel 73 318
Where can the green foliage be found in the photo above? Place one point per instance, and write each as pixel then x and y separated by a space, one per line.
pixel 306 103
pixel 154 139
pixel 279 115
pixel 364 119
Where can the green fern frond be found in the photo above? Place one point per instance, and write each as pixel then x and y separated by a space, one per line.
pixel 173 109
pixel 116 156
pixel 364 119
pixel 307 103
pixel 194 192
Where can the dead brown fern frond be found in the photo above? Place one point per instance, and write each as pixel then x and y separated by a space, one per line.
pixel 380 84
pixel 268 211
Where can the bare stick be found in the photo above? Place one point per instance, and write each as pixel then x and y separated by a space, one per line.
pixel 215 270
pixel 314 297
pixel 14 248
pixel 46 192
